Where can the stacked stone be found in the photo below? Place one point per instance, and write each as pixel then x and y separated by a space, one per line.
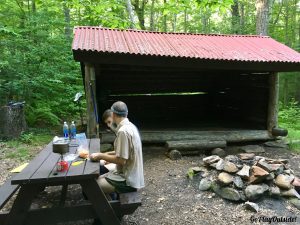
pixel 247 177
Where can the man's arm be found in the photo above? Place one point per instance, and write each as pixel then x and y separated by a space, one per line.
pixel 108 158
pixel 110 153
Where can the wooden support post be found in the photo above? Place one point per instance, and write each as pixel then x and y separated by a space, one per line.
pixel 273 102
pixel 90 93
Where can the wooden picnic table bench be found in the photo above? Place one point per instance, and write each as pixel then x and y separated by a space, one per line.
pixel 41 172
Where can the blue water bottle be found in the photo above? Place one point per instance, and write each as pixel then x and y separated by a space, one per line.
pixel 73 130
pixel 66 130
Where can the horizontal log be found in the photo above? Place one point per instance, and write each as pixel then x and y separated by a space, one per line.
pixel 183 145
pixel 160 136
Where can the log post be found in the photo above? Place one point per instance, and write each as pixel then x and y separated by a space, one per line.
pixel 272 120
pixel 91 101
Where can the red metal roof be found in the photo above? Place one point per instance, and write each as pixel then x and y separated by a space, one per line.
pixel 248 48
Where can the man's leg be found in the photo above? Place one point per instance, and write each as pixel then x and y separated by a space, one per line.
pixel 105 186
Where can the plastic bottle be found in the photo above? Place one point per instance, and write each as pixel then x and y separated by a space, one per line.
pixel 66 130
pixel 73 130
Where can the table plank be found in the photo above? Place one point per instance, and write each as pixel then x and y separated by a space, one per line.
pixel 93 167
pixel 75 171
pixel 29 170
pixel 54 173
pixel 42 174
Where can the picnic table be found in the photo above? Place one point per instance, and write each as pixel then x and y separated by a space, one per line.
pixel 41 172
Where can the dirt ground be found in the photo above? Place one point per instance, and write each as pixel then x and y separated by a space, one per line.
pixel 170 198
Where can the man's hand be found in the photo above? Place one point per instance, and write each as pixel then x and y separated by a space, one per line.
pixel 96 156
pixel 108 158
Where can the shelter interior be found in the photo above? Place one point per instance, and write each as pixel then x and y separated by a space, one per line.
pixel 161 98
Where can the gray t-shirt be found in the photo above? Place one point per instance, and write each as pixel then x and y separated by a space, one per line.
pixel 128 146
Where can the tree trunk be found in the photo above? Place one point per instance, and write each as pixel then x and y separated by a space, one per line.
pixel 286 25
pixel 285 91
pixel 67 21
pixel 235 20
pixel 152 15
pixel 185 19
pixel 12 121
pixel 33 6
pixel 140 11
pixel 262 17
pixel 165 19
pixel 242 20
pixel 174 24
pixel 130 13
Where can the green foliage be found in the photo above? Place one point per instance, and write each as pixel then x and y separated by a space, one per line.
pixel 37 65
pixel 27 138
pixel 289 118
pixel 25 147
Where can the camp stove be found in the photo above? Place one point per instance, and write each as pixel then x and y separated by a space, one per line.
pixel 61 146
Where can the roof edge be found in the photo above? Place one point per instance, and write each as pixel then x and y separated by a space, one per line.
pixel 176 33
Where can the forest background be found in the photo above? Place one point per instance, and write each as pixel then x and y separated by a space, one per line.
pixel 37 66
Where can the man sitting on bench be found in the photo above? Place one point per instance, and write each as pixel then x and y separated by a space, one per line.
pixel 129 175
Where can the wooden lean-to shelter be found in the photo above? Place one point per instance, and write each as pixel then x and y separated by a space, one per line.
pixel 184 86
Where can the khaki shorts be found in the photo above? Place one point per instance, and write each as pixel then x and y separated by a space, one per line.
pixel 120 186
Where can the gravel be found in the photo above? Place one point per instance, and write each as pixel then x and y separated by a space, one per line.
pixel 171 198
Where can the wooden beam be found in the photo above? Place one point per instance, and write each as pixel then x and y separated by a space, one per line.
pixel 230 136
pixel 178 62
pixel 272 121
pixel 186 145
pixel 90 94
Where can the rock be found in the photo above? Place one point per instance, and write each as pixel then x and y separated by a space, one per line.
pixel 258 175
pixel 255 180
pixel 251 206
pixel 252 149
pixel 296 183
pixel 288 172
pixel 230 194
pixel 218 151
pixel 271 176
pixel 275 191
pixel 246 156
pixel 295 202
pixel 275 144
pixel 174 154
pixel 211 159
pixel 232 158
pixel 225 178
pixel 230 167
pixel 290 193
pixel 216 187
pixel 213 165
pixel 258 158
pixel 237 181
pixel 259 172
pixel 205 184
pixel 277 161
pixel 264 165
pixel 283 181
pixel 277 168
pixel 254 192
pixel 244 172
pixel 220 164
pixel 243 196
